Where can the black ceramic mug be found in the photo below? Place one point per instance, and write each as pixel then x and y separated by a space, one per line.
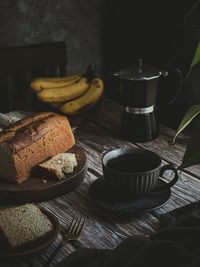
pixel 133 172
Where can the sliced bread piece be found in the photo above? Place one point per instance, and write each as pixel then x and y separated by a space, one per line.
pixel 22 225
pixel 58 166
pixel 30 141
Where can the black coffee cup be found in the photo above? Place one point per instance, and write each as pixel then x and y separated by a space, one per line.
pixel 130 173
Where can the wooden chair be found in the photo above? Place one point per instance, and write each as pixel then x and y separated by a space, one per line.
pixel 19 65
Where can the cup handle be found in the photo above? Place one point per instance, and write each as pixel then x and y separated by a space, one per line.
pixel 175 179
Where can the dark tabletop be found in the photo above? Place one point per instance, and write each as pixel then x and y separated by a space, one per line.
pixel 104 229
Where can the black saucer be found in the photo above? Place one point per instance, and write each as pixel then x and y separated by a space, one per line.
pixel 102 196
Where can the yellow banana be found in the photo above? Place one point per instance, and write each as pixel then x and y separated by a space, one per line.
pixel 54 82
pixel 65 93
pixel 86 101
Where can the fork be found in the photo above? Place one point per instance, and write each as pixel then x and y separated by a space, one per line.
pixel 72 233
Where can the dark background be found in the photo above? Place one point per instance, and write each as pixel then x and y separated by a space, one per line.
pixel 155 31
pixel 113 34
pixel 77 22
pixel 151 29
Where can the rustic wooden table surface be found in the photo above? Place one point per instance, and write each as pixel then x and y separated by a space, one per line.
pixel 103 229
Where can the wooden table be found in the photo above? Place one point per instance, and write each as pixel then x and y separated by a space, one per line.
pixel 102 229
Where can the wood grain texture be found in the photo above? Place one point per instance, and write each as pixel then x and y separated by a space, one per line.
pixel 103 229
pixel 35 189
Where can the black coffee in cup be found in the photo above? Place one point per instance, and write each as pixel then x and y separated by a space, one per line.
pixel 134 172
pixel 133 163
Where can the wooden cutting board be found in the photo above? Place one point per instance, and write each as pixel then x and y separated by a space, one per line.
pixel 36 189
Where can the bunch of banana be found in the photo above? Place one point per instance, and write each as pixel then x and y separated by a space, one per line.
pixel 40 84
pixel 64 93
pixel 72 95
pixel 86 101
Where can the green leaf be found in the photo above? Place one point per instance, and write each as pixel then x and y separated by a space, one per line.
pixel 189 116
pixel 196 59
pixel 192 153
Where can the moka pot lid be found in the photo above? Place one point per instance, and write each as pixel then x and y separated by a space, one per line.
pixel 139 73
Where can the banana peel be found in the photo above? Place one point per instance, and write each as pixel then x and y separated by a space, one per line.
pixel 64 93
pixel 56 82
pixel 86 101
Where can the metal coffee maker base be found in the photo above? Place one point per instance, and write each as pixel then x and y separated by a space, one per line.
pixel 138 89
pixel 138 124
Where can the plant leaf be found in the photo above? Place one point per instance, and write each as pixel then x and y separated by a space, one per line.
pixel 192 153
pixel 196 59
pixel 188 117
pixel 191 11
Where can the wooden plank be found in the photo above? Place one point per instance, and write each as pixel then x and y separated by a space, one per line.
pixel 102 242
pixel 11 117
pixel 185 191
pixel 123 227
pixel 90 139
pixel 71 204
pixel 105 230
pixel 95 138
pixel 94 233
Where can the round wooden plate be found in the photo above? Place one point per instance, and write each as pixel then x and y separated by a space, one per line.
pixel 36 189
pixel 37 246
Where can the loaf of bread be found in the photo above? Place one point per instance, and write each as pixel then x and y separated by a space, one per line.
pixel 58 166
pixel 22 226
pixel 30 141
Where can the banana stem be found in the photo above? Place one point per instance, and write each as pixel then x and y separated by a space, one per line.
pixel 90 73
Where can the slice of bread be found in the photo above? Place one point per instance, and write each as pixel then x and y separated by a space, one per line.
pixel 58 166
pixel 21 225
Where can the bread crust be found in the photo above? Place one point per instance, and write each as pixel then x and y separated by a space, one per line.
pixel 8 132
pixel 31 141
